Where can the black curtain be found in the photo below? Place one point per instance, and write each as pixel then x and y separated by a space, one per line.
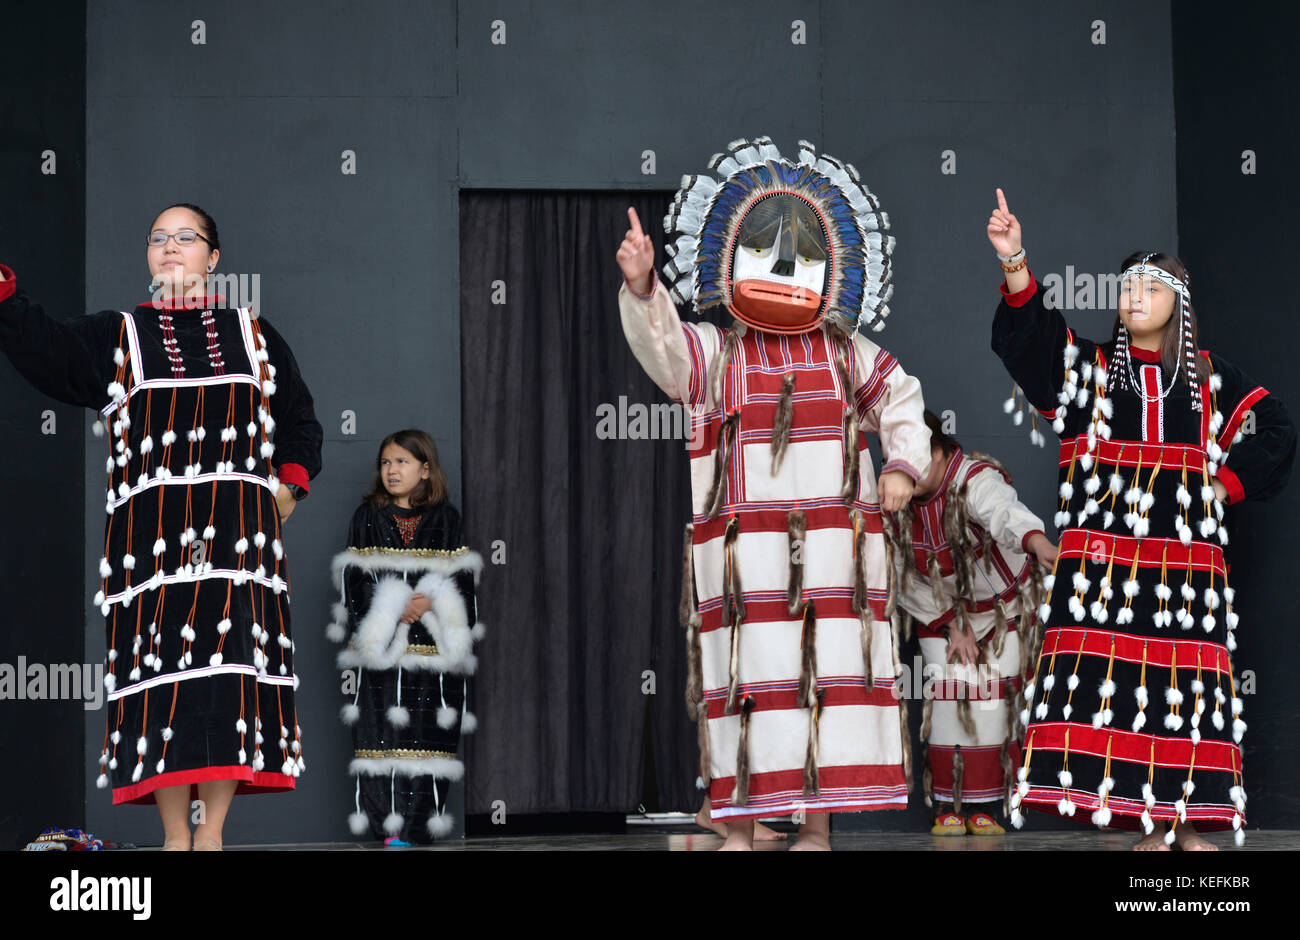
pixel 582 536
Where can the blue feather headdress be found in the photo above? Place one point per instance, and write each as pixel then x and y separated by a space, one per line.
pixel 705 216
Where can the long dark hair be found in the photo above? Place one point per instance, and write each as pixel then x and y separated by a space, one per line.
pixel 938 438
pixel 1171 353
pixel 428 492
pixel 205 222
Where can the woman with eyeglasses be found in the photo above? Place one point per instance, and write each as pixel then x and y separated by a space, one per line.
pixel 213 440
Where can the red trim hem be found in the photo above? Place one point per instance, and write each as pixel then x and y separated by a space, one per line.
pixel 250 781
pixel 1024 541
pixel 296 474
pixel 1020 297
pixel 1236 493
pixel 10 283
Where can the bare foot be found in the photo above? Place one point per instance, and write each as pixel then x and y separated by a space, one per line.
pixel 704 819
pixel 740 836
pixel 812 842
pixel 814 835
pixel 1189 840
pixel 176 845
pixel 206 845
pixel 1152 843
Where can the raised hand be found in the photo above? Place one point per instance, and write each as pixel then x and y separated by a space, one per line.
pixel 1004 229
pixel 636 256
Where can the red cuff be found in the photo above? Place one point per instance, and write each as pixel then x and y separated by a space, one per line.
pixel 901 467
pixel 9 284
pixel 654 285
pixel 1230 482
pixel 1020 297
pixel 295 474
pixel 1024 542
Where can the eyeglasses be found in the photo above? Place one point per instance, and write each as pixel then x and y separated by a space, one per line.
pixel 185 237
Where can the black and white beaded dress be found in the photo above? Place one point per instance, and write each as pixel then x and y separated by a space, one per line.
pixel 209 416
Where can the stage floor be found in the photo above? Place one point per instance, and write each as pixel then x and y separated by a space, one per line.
pixel 1259 841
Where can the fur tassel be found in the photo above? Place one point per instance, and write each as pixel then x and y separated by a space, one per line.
pixel 864 635
pixel 808 693
pixel 927 710
pixel 907 742
pixel 722 364
pixel 849 492
pixel 811 777
pixel 702 740
pixel 891 574
pixel 927 778
pixel 721 460
pixel 999 631
pixel 860 602
pixel 740 795
pixel 1008 774
pixel 965 718
pixel 686 609
pixel 694 668
pixel 798 530
pixel 358 823
pixel 935 577
pixel 958 772
pixel 733 609
pixel 781 424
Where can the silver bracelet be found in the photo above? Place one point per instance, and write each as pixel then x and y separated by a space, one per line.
pixel 1016 257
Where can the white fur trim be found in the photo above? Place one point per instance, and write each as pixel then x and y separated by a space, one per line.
pixel 443 768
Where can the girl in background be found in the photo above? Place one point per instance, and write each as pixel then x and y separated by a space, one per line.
pixel 408 618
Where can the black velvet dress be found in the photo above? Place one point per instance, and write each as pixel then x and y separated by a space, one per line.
pixel 407 683
pixel 209 415
pixel 1134 714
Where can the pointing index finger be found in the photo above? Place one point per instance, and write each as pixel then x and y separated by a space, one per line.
pixel 1002 201
pixel 634 221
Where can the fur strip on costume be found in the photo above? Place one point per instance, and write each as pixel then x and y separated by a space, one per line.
pixel 721 460
pixel 927 777
pixel 1008 774
pixel 732 609
pixel 721 364
pixel 964 717
pixel 686 609
pixel 702 740
pixel 958 772
pixel 781 424
pixel 694 668
pixel 808 693
pixel 852 456
pixel 443 768
pixel 927 710
pixel 1000 630
pixel 798 529
pixel 448 620
pixel 740 795
pixel 381 637
pixel 811 777
pixel 377 560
